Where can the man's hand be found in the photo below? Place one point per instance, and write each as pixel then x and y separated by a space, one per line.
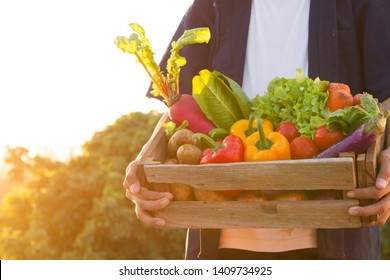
pixel 380 191
pixel 145 200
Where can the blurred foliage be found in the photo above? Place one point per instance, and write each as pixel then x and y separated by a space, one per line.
pixel 385 241
pixel 77 210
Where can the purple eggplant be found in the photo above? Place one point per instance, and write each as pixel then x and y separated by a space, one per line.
pixel 359 140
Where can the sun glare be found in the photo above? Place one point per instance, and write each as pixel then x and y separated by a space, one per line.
pixel 63 78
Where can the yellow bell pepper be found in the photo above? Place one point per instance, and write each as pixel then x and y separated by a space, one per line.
pixel 266 145
pixel 242 129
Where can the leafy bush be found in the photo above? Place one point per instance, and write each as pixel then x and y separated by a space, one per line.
pixel 77 210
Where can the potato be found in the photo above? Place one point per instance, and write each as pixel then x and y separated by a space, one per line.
pixel 160 187
pixel 246 196
pixel 250 196
pixel 325 194
pixel 180 137
pixel 270 192
pixel 181 192
pixel 189 154
pixel 291 196
pixel 206 195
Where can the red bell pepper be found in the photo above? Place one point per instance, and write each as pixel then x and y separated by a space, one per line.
pixel 231 149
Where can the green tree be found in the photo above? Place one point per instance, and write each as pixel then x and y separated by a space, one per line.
pixel 385 241
pixel 18 159
pixel 77 210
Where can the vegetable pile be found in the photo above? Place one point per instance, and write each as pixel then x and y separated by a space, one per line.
pixel 324 114
pixel 300 100
pixel 296 118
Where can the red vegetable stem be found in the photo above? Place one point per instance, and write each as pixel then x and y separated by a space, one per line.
pixel 162 86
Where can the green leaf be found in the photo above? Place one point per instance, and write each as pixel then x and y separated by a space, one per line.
pixel 216 98
pixel 300 100
pixel 139 45
pixel 138 29
pixel 369 104
pixel 175 61
pixel 192 36
pixel 243 100
pixel 348 119
pixel 171 128
pixel 127 44
pixel 164 85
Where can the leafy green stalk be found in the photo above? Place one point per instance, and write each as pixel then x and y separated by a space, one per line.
pixel 139 45
pixel 175 61
pixel 165 85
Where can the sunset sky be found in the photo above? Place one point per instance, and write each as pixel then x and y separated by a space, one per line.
pixel 61 76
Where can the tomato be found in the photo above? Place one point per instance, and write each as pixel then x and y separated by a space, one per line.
pixel 356 99
pixel 303 147
pixel 288 129
pixel 338 87
pixel 339 96
pixel 325 138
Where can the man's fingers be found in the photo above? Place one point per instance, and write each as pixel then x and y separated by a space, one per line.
pixel 380 208
pixel 368 193
pixel 149 200
pixel 146 194
pixel 146 218
pixel 131 175
pixel 383 177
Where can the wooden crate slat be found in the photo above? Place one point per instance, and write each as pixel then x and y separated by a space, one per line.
pixel 241 214
pixel 155 149
pixel 311 174
pixel 362 181
pixel 367 172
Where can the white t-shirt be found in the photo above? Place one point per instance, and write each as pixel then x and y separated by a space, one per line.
pixel 277 42
pixel 277 46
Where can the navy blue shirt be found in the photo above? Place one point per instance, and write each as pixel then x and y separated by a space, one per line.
pixel 349 42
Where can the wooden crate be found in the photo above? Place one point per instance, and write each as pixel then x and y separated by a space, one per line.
pixel 342 174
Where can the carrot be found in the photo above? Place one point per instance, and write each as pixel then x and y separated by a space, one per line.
pixel 339 96
pixel 181 107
